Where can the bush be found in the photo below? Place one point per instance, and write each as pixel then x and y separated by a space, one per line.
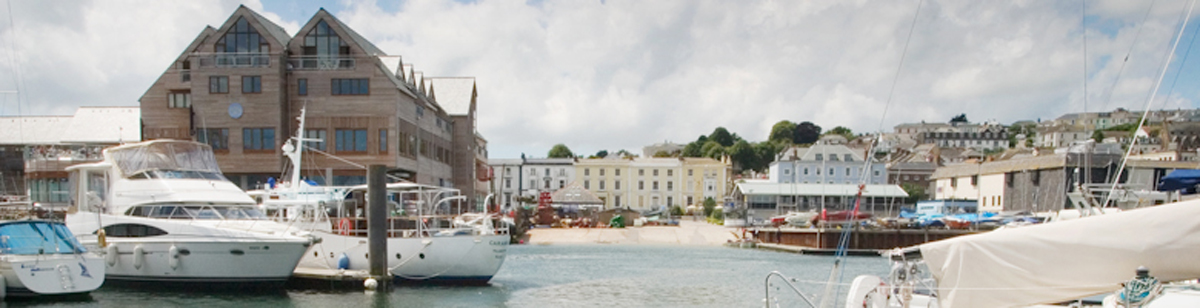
pixel 676 211
pixel 709 205
pixel 717 217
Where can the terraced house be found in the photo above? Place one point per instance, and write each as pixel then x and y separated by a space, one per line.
pixel 240 88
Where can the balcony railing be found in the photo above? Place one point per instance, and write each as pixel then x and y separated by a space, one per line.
pixel 321 63
pixel 236 60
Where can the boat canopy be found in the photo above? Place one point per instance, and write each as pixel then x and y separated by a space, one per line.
pixel 31 237
pixel 1180 179
pixel 1068 260
pixel 164 155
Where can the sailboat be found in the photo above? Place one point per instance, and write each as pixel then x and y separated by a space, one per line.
pixel 424 245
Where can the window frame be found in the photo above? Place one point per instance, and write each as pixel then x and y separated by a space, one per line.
pixel 218 84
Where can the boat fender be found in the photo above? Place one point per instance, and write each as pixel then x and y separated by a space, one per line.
pixel 111 255
pixel 344 262
pixel 3 287
pixel 100 235
pixel 344 226
pixel 174 260
pixel 139 256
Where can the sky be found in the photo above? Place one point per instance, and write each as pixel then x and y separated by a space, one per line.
pixel 615 74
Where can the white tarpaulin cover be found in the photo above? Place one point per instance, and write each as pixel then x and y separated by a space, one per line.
pixel 1063 261
pixel 163 155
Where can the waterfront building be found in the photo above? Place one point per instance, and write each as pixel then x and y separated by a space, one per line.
pixel 764 199
pixel 654 183
pixel 239 88
pixel 1040 183
pixel 827 162
pixel 527 177
pixel 36 150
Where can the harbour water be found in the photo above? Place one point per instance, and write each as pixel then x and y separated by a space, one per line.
pixel 555 276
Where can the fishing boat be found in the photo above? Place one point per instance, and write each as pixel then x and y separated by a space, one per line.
pixel 160 211
pixel 426 242
pixel 43 258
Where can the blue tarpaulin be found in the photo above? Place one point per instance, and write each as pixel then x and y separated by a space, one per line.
pixel 1180 179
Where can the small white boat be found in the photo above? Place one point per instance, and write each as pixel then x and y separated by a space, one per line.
pixel 160 211
pixel 41 258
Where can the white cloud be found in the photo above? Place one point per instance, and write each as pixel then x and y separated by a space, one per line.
pixel 622 74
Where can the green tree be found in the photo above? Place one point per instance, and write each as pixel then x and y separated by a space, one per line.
pixel 721 136
pixel 841 130
pixel 602 154
pixel 1098 136
pixel 961 118
pixel 743 155
pixel 806 133
pixel 661 153
pixel 625 154
pixel 766 152
pixel 713 150
pixel 782 131
pixel 560 151
pixel 915 192
pixel 692 149
pixel 709 206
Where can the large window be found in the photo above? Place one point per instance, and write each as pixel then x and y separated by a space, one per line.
pixel 242 38
pixel 321 41
pixel 217 138
pixel 251 84
pixel 351 140
pixel 179 99
pixel 315 134
pixel 258 139
pixel 218 84
pixel 358 86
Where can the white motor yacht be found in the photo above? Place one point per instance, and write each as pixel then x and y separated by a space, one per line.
pixel 42 258
pixel 160 211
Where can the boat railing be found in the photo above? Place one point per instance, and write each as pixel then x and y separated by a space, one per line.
pixel 397 227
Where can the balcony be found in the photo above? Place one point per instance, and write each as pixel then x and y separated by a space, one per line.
pixel 321 63
pixel 236 60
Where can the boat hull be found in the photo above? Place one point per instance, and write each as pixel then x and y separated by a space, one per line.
pixel 459 259
pixel 52 274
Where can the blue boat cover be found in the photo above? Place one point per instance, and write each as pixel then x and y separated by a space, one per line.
pixel 1180 179
pixel 29 237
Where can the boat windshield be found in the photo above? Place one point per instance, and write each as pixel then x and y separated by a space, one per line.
pixel 172 158
pixel 178 174
pixel 205 212
pixel 37 237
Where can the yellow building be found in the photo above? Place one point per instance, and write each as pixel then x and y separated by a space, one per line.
pixel 652 183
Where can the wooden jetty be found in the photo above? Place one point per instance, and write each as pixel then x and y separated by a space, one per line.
pixel 819 240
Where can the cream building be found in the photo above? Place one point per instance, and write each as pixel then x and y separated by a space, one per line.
pixel 652 183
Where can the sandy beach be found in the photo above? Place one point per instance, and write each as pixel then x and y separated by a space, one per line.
pixel 687 233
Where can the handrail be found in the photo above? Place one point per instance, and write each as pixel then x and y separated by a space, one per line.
pixel 767 286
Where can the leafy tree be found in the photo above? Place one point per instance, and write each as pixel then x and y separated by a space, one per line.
pixel 915 192
pixel 676 211
pixel 841 130
pixel 602 154
pixel 1098 136
pixel 709 206
pixel 560 151
pixel 782 131
pixel 661 153
pixel 625 154
pixel 743 155
pixel 721 136
pixel 692 150
pixel 961 118
pixel 766 152
pixel 806 133
pixel 712 149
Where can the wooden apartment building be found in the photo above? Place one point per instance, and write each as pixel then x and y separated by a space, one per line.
pixel 240 88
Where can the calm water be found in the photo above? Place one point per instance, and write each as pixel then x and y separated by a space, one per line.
pixel 555 276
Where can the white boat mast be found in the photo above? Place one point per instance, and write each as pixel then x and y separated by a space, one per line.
pixel 294 148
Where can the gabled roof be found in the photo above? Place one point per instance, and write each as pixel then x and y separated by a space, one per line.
pixel 455 94
pixel 363 43
pixel 407 70
pixel 274 31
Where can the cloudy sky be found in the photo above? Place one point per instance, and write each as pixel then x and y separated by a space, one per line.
pixel 621 74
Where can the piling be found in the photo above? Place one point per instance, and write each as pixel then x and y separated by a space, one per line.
pixel 377 226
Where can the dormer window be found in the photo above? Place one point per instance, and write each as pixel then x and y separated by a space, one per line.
pixel 820 157
pixel 242 38
pixel 322 41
